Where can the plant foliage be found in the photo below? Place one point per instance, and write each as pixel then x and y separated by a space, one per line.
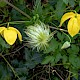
pixel 60 60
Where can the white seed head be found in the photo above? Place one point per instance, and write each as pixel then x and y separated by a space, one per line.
pixel 39 36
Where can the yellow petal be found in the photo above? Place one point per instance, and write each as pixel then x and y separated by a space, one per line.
pixel 1 29
pixel 78 18
pixel 73 27
pixel 66 16
pixel 10 36
pixel 19 34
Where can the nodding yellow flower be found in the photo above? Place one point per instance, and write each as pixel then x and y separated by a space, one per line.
pixel 10 34
pixel 39 36
pixel 73 24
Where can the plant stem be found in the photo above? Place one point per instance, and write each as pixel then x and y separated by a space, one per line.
pixel 57 74
pixel 58 29
pixel 10 67
pixel 17 9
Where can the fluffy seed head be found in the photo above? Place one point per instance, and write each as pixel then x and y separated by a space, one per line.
pixel 39 36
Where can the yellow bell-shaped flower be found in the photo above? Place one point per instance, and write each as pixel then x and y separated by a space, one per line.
pixel 73 24
pixel 10 34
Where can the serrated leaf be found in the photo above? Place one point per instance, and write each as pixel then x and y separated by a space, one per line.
pixel 60 36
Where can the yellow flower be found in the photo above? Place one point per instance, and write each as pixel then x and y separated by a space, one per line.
pixel 10 34
pixel 73 24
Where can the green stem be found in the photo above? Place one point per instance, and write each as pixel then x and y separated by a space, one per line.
pixel 14 22
pixel 7 24
pixel 68 37
pixel 17 9
pixel 10 66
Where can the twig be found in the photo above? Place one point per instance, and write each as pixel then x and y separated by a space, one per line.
pixel 17 9
pixel 58 29
pixel 15 50
pixel 36 74
pixel 10 67
pixel 57 74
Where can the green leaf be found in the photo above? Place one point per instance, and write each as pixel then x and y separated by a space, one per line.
pixel 74 60
pixel 66 1
pixel 73 50
pixel 64 59
pixel 74 73
pixel 4 73
pixel 57 57
pixel 72 3
pixel 53 45
pixel 79 4
pixel 60 36
pixel 37 8
pixel 3 43
pixel 60 6
pixel 47 59
pixel 2 3
pixel 22 71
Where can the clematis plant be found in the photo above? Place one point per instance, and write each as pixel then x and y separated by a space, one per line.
pixel 10 34
pixel 39 36
pixel 73 24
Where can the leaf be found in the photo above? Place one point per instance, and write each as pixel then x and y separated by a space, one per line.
pixel 60 6
pixel 47 59
pixel 22 71
pixel 37 58
pixel 66 1
pixel 53 45
pixel 64 59
pixel 3 43
pixel 37 8
pixel 72 3
pixel 4 72
pixel 75 48
pixel 75 74
pixel 60 36
pixel 57 57
pixel 66 16
pixel 32 58
pixel 73 27
pixel 75 61
pixel 27 54
pixel 2 3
